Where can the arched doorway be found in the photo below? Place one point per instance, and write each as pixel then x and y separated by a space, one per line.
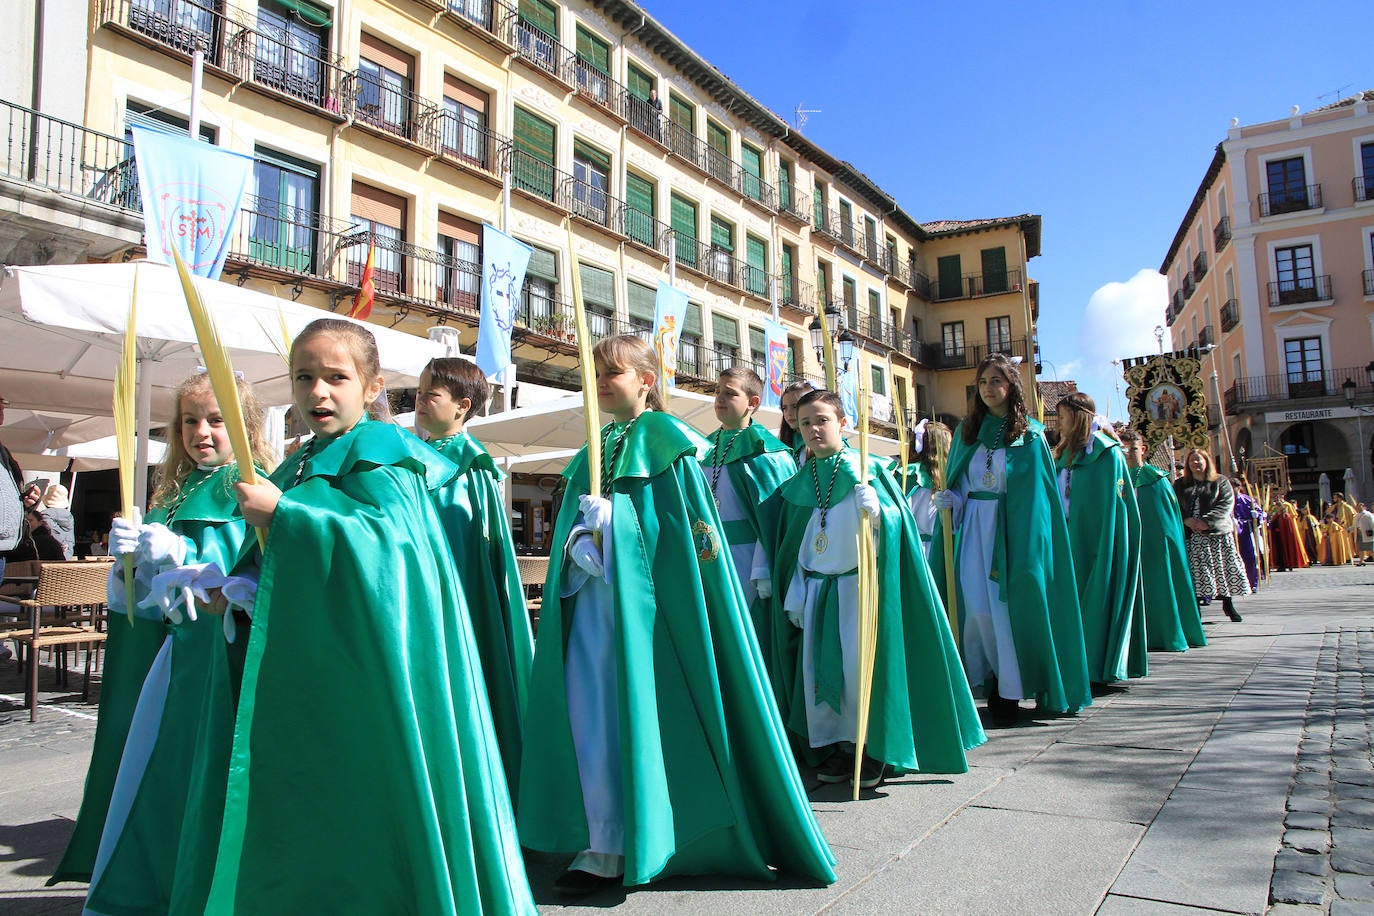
pixel 1314 448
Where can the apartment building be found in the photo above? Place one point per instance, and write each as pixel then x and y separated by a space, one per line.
pixel 407 124
pixel 1271 276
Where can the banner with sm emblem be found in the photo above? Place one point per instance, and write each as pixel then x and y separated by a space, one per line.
pixel 504 261
pixel 776 362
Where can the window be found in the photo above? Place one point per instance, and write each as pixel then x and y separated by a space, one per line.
pixel 994 270
pixel 639 210
pixel 183 24
pixel 790 294
pixel 823 295
pixel 283 217
pixel 758 353
pixel 785 184
pixel 380 217
pixel 532 154
pixel 384 88
pixel 1302 358
pixel 291 43
pixel 1366 177
pixel 689 343
pixel 725 334
pixel 593 66
pixel 718 152
pixel 643 114
pixel 751 162
pixel 847 222
pixel 875 310
pixel 536 35
pixel 1235 368
pixel 1287 185
pixel 539 306
pixel 950 284
pixel 642 307
pixel 850 290
pixel 870 238
pixel 722 250
pixel 999 335
pixel 1296 276
pixel 878 383
pixel 756 265
pixel 460 262
pixel 119 184
pixel 598 297
pixel 892 261
pixel 464 128
pixel 681 127
pixel 952 336
pixel 818 205
pixel 592 181
pixel 684 222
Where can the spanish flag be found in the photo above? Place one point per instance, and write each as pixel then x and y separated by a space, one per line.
pixel 367 289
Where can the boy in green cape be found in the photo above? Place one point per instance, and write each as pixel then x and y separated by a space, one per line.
pixel 473 514
pixel 1019 625
pixel 745 465
pixel 652 743
pixel 1104 535
pixel 1172 620
pixel 922 716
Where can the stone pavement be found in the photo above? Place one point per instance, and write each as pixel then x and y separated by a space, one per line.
pixel 1236 778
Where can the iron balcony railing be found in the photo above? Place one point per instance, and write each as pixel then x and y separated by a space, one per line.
pixel 1175 307
pixel 588 201
pixel 532 175
pixel 486 13
pixel 1291 200
pixel 972 285
pixel 684 144
pixel 396 111
pixel 1300 290
pixel 1189 285
pixel 238 43
pixel 643 229
pixel 470 143
pixel 796 293
pixel 537 47
pixel 1369 282
pixel 596 85
pixel 791 205
pixel 870 326
pixel 1206 337
pixel 922 286
pixel 1230 315
pixel 1363 188
pixel 1221 233
pixel 1200 266
pixel 61 156
pixel 1310 383
pixel 1010 346
pixel 642 115
pixel 754 188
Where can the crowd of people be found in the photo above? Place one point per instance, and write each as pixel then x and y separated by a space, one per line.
pixel 326 694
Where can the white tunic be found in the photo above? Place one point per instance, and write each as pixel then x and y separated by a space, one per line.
pixel 751 563
pixel 989 649
pixel 925 513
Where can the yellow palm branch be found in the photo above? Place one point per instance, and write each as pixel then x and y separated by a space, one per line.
pixel 126 373
pixel 868 596
pixel 591 412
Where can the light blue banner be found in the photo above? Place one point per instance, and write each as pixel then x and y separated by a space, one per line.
pixel 670 311
pixel 848 380
pixel 504 260
pixel 192 193
pixel 775 361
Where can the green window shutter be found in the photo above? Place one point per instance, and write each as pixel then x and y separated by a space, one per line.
pixel 788 268
pixel 591 154
pixel 758 341
pixel 681 113
pixel 756 253
pixel 541 15
pixel 791 359
pixel 951 276
pixel 639 83
pixel 722 234
pixel 785 184
pixel 533 136
pixel 592 50
pixel 309 13
pixel 598 288
pixel 718 138
pixel 994 270
pixel 875 305
pixel 639 193
pixel 544 265
pixel 691 324
pixel 818 205
pixel 751 160
pixel 641 301
pixel 684 219
pixel 725 331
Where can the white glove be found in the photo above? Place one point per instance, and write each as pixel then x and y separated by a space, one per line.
pixel 795 618
pixel 944 499
pixel 241 592
pixel 159 545
pixel 177 588
pixel 868 501
pixel 583 551
pixel 124 534
pixel 764 587
pixel 596 512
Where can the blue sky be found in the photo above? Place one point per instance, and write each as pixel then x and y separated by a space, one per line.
pixel 1101 117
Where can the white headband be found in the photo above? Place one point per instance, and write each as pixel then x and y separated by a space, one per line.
pixel 918 436
pixel 1099 422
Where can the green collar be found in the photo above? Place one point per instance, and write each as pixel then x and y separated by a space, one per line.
pixel 369 444
pixel 742 443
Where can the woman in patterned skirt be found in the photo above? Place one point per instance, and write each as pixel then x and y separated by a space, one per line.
pixel 1207 500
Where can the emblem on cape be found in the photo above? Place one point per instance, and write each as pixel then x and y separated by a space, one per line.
pixel 706 540
pixel 989 480
pixel 821 542
pixel 1120 487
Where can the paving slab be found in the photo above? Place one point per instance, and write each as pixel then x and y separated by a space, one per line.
pixel 1163 727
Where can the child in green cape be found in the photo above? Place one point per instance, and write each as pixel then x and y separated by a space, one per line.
pixel 652 743
pixel 363 727
pixel 787 429
pixel 473 514
pixel 926 475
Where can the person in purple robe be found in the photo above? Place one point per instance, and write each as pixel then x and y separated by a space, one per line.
pixel 1250 521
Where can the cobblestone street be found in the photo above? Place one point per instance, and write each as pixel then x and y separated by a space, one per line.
pixel 1236 778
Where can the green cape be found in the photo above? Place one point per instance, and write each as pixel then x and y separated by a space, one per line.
pixel 922 716
pixel 365 774
pixel 1034 568
pixel 709 784
pixel 1172 620
pixel 163 858
pixel 129 653
pixel 473 515
pixel 1104 534
pixel 757 463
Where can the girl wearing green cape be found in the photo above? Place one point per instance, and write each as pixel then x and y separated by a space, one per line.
pixel 473 514
pixel 154 840
pixel 1172 621
pixel 1104 535
pixel 930 441
pixel 787 429
pixel 1019 625
pixel 365 775
pixel 652 743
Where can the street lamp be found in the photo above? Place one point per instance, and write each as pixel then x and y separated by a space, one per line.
pixel 1349 389
pixel 832 323
pixel 846 349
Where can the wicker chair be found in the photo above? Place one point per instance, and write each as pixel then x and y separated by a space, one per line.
pixel 67 609
pixel 533 572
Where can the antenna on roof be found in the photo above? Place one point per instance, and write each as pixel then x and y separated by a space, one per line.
pixel 1335 94
pixel 800 114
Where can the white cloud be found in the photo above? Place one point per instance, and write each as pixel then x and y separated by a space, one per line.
pixel 1120 318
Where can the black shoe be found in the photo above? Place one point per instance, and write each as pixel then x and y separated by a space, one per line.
pixel 577 883
pixel 1232 612
pixel 1005 712
pixel 871 773
pixel 837 768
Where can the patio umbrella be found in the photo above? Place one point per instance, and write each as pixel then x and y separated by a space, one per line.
pixel 1324 488
pixel 1352 492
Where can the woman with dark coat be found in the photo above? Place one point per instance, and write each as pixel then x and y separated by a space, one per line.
pixel 1207 501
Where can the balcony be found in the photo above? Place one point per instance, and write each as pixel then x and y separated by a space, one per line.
pixel 1362 188
pixel 1280 388
pixel 1175 308
pixel 642 229
pixel 236 45
pixel 789 205
pixel 470 144
pixel 1206 337
pixel 642 116
pixel 596 86
pixel 1230 315
pixel 1369 282
pixel 537 48
pixel 1189 285
pixel 688 146
pixel 1300 291
pixel 1221 234
pixel 488 14
pixel 62 156
pixel 1010 346
pixel 1199 266
pixel 796 294
pixel 1291 200
pixel 587 201
pixel 974 285
pixel 394 111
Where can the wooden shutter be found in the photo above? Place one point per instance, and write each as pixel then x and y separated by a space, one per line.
pixel 718 138
pixel 951 276
pixel 379 206
pixel 785 183
pixel 541 15
pixel 455 227
pixel 602 161
pixel 598 287
pixel 592 50
pixel 544 265
pixel 533 136
pixel 691 324
pixel 466 94
pixel 722 234
pixel 725 331
pixel 638 82
pixel 681 113
pixel 684 219
pixel 639 193
pixel 641 301
pixel 994 270
pixel 379 52
pixel 751 160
